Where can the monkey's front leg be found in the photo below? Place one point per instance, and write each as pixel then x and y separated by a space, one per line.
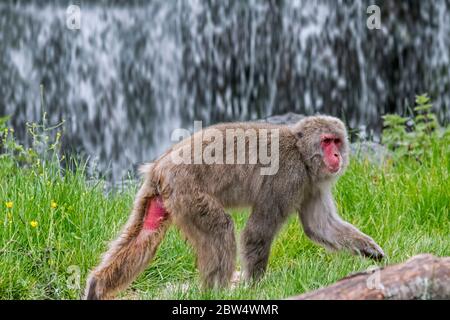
pixel 257 237
pixel 323 225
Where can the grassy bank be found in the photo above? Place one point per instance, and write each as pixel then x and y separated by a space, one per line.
pixel 53 225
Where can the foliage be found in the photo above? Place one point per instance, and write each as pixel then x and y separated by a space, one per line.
pixel 405 208
pixel 413 136
pixel 45 146
pixel 54 227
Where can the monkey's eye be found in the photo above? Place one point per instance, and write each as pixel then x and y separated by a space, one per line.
pixel 337 141
pixel 327 140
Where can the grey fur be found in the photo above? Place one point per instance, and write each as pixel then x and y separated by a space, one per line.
pixel 195 197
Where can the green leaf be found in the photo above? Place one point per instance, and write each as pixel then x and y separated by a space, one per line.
pixel 4 120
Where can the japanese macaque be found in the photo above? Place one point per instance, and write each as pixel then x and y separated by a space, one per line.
pixel 310 156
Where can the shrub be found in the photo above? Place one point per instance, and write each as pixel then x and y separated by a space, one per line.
pixel 413 136
pixel 45 146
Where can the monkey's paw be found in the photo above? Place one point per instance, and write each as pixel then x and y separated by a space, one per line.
pixel 369 249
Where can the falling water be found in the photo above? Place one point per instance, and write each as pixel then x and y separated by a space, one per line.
pixel 132 73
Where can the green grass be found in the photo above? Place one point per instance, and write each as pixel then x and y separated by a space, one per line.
pixel 404 206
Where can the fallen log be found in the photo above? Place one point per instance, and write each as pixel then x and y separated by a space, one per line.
pixel 422 277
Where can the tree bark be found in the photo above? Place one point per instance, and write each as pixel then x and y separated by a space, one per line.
pixel 421 277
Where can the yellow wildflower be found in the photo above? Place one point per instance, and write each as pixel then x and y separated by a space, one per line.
pixel 53 204
pixel 34 223
pixel 9 204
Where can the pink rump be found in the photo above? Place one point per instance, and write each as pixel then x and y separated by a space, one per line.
pixel 155 214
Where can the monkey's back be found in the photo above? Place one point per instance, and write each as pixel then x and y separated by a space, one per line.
pixel 233 184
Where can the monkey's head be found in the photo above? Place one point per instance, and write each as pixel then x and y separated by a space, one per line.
pixel 323 143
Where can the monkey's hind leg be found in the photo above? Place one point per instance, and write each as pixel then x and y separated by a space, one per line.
pixel 132 251
pixel 211 232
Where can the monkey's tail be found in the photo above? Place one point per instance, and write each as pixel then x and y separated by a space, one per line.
pixel 146 169
pixel 150 182
pixel 130 253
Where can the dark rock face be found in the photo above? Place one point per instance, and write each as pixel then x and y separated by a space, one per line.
pixel 372 151
pixel 287 118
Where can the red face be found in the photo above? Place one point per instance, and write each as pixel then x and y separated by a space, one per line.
pixel 330 145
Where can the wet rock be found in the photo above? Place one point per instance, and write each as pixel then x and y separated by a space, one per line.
pixel 369 150
pixel 287 118
pixel 372 151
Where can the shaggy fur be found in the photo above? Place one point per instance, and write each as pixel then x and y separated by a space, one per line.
pixel 195 195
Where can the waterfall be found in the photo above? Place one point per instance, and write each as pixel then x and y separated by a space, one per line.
pixel 133 73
